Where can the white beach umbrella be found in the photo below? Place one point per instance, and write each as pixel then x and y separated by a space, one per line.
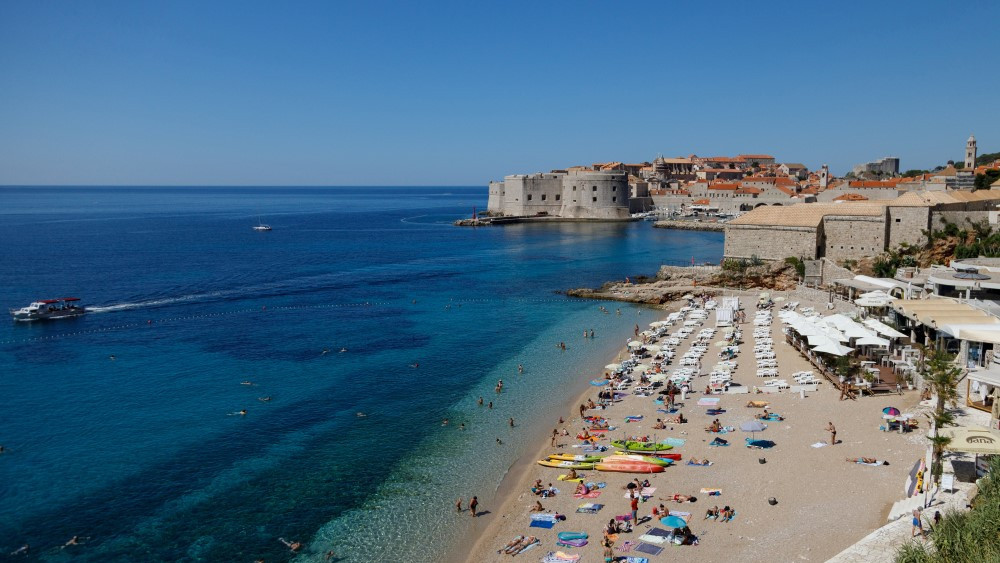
pixel 635 344
pixel 642 367
pixel 833 348
pixel 872 341
pixel 613 367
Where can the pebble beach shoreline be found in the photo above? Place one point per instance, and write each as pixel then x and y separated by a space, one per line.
pixel 824 504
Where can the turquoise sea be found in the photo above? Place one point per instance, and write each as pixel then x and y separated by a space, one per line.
pixel 142 453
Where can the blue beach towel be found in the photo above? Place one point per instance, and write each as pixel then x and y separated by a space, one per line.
pixel 675 442
pixel 541 524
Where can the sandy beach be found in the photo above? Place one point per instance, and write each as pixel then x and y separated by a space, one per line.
pixel 824 503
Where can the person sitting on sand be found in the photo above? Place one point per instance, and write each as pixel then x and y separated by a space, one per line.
pixel 659 425
pixel 612 528
pixel 582 489
pixel 726 514
pixel 571 475
pixel 679 419
pixel 714 427
pixel 538 507
pixel 696 461
pixel 868 460
pixel 712 512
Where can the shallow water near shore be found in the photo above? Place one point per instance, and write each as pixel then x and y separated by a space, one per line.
pixel 143 454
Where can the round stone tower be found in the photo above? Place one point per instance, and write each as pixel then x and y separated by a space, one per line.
pixel 589 194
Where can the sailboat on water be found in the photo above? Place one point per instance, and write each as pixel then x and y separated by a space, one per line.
pixel 261 226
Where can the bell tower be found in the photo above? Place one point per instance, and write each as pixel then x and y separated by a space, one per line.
pixel 970 153
pixel 824 177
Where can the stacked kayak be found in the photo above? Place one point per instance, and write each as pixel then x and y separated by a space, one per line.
pixel 640 447
pixel 566 464
pixel 634 457
pixel 661 455
pixel 579 458
pixel 631 464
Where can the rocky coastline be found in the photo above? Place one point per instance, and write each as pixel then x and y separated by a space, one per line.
pixel 673 282
pixel 689 225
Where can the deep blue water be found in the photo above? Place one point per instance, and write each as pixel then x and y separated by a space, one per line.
pixel 142 454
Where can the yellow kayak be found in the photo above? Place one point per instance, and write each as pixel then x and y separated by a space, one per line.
pixel 565 464
pixel 579 458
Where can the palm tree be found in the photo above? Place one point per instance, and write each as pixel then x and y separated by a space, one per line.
pixel 941 374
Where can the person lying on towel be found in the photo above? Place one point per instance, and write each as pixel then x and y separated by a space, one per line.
pixel 868 460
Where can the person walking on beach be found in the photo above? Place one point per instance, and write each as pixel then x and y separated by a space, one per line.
pixel 635 509
pixel 511 422
pixel 637 330
pixel 473 505
pixel 833 432
pixel 555 433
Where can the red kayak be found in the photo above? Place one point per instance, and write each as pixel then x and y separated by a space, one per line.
pixel 663 455
pixel 630 467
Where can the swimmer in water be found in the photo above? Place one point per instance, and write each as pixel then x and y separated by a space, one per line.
pixel 480 402
pixel 75 540
pixel 246 383
pixel 360 414
pixel 499 442
pixel 342 350
pixel 461 426
pixel 325 351
pixel 444 422
pixel 111 357
pixel 415 365
pixel 294 545
pixel 263 399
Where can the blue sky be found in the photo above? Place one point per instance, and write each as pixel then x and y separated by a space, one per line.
pixel 458 93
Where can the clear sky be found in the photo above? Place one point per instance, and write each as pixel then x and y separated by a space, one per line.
pixel 458 93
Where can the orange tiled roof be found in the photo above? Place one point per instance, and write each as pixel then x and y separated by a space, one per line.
pixel 850 197
pixel 723 186
pixel 701 202
pixel 751 156
pixel 785 190
pixel 873 184
pixel 750 190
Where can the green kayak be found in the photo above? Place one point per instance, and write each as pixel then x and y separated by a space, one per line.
pixel 632 446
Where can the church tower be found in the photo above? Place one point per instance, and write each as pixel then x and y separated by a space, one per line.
pixel 824 177
pixel 970 153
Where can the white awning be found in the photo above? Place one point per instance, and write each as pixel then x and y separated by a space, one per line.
pixel 883 329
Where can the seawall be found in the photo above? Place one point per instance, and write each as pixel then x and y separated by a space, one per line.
pixel 689 225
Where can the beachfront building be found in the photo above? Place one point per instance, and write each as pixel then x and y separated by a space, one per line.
pixel 576 193
pixel 849 230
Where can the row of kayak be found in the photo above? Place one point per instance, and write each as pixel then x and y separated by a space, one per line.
pixel 620 462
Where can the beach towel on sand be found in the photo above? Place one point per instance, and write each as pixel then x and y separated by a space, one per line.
pixel 649 549
pixel 591 494
pixel 645 492
pixel 819 444
pixel 700 464
pixel 681 515
pixel 711 492
pixel 708 401
pixel 565 478
pixel 546 524
pixel 589 508
pixel 560 557
pixel 626 547
pixel 675 442
pixel 636 560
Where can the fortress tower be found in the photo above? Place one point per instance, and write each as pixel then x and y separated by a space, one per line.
pixel 970 153
pixel 824 177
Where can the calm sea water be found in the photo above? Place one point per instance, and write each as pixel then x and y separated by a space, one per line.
pixel 143 454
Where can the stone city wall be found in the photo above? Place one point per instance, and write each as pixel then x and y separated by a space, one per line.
pixel 853 237
pixel 906 224
pixel 770 242
pixel 595 195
